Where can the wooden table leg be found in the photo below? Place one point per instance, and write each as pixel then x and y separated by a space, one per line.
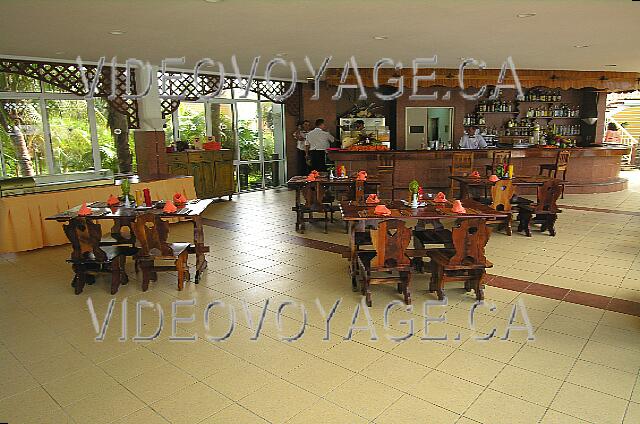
pixel 352 254
pixel 201 249
pixel 464 190
pixel 299 217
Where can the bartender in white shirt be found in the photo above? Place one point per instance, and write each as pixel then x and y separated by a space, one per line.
pixel 317 142
pixel 472 139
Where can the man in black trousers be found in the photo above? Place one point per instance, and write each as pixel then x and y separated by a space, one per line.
pixel 317 142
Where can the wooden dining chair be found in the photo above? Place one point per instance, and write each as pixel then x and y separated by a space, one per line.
pixel 560 165
pixel 461 165
pixel 466 262
pixel 426 239
pixel 386 175
pixel 499 157
pixel 388 263
pixel 501 194
pixel 316 201
pixel 545 209
pixel 89 257
pixel 152 232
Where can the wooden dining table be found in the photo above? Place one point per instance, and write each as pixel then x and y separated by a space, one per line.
pixel 125 216
pixel 359 215
pixel 483 182
pixel 345 185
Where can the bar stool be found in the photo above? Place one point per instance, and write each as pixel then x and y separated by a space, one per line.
pixel 461 165
pixel 499 157
pixel 560 165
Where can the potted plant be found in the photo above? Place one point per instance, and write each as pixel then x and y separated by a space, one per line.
pixel 414 187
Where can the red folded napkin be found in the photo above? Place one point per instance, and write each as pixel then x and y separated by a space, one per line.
pixel 311 177
pixel 362 176
pixel 493 178
pixel 314 173
pixel 113 201
pixel 169 207
pixel 474 174
pixel 179 198
pixel 440 198
pixel 382 210
pixel 457 207
pixel 84 210
pixel 372 198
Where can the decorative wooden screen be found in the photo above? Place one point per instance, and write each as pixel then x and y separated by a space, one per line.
pixel 182 84
pixel 67 76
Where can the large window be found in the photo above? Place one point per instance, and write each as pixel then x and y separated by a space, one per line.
pixel 44 130
pixel 253 128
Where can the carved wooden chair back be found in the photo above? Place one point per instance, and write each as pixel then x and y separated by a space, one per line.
pixel 385 162
pixel 85 238
pixel 500 157
pixel 501 194
pixel 390 241
pixel 152 232
pixel 548 195
pixel 359 195
pixel 470 237
pixel 462 163
pixel 562 161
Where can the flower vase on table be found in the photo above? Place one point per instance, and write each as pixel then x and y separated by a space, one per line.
pixel 414 187
pixel 414 200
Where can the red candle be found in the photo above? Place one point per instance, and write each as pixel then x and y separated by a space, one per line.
pixel 147 197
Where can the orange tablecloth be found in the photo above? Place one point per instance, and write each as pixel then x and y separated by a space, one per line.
pixel 22 218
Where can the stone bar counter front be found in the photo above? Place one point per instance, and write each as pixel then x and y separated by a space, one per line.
pixel 590 170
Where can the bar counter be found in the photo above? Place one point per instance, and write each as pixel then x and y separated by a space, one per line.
pixel 591 169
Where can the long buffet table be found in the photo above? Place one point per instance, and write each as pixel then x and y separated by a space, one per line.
pixel 591 169
pixel 22 218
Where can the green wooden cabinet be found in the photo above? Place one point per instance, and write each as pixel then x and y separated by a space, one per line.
pixel 212 171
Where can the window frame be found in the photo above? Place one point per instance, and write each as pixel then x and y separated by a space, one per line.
pixel 42 98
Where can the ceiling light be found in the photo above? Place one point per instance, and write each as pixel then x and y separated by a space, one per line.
pixel 525 15
pixel 281 54
pixel 581 46
pixel 59 53
pixel 116 32
pixel 611 65
pixel 213 1
pixel 380 37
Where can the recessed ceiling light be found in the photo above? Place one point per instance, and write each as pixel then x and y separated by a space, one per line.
pixel 59 53
pixel 525 15
pixel 281 54
pixel 613 64
pixel 116 32
pixel 213 1
pixel 380 37
pixel 581 46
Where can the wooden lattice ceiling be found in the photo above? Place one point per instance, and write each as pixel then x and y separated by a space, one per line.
pixel 67 76
pixel 182 84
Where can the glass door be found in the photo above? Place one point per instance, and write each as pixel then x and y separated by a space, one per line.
pixel 254 131
pixel 273 144
pixel 249 137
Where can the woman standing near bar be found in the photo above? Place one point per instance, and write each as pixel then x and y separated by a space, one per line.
pixel 612 135
pixel 300 136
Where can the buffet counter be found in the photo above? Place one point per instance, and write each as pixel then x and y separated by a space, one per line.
pixel 591 169
pixel 22 218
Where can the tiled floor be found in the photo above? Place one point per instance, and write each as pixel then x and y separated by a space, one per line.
pixel 582 366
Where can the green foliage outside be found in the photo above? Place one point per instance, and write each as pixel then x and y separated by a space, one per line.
pixel 69 127
pixel 71 135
